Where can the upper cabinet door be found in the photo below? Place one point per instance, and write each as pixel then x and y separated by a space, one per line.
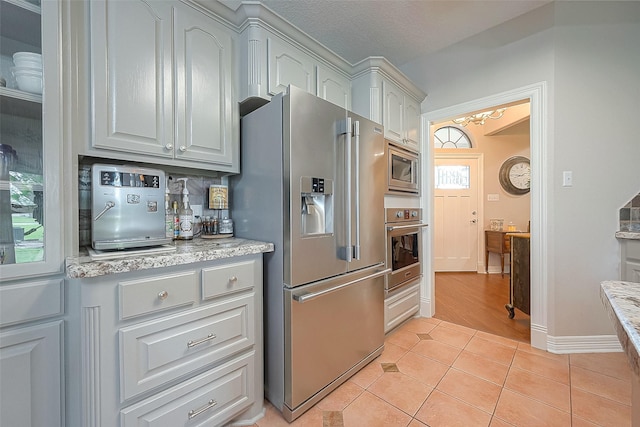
pixel 31 120
pixel 205 114
pixel 412 123
pixel 393 112
pixel 287 65
pixel 131 76
pixel 334 87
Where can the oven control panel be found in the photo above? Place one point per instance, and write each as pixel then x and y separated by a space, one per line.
pixel 403 215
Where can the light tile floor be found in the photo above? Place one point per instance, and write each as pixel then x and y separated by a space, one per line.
pixel 438 374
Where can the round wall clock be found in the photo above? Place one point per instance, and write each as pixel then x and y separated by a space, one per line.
pixel 515 175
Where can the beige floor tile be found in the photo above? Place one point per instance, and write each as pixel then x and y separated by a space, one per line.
pixel 423 369
pixel 491 350
pixel 537 387
pixel 471 389
pixel 522 411
pixel 437 350
pixel 602 385
pixel 341 397
pixel 599 410
pixel 273 418
pixel 402 391
pixel 450 336
pixel 371 411
pixel 481 367
pixel 497 422
pixel 391 353
pixel 403 338
pixel 442 410
pixel 459 328
pixel 416 423
pixel 367 375
pixel 420 325
pixel 496 338
pixel 612 364
pixel 579 422
pixel 555 369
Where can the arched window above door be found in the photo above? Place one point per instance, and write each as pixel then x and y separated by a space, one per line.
pixel 451 137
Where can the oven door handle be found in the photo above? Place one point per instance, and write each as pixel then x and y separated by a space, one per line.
pixel 405 227
pixel 313 295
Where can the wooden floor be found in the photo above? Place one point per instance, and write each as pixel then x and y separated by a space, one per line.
pixel 477 301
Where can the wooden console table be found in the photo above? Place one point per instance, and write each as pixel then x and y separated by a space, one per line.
pixel 520 280
pixel 498 243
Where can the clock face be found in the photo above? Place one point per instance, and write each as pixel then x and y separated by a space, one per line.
pixel 520 175
pixel 515 175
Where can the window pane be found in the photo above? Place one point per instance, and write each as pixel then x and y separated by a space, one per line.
pixel 452 177
pixel 451 137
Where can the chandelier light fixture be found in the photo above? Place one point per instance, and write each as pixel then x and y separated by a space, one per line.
pixel 480 118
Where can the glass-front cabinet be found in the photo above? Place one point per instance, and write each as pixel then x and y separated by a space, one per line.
pixel 30 139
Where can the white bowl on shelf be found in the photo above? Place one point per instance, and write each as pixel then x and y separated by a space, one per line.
pixel 27 56
pixel 28 80
pixel 27 63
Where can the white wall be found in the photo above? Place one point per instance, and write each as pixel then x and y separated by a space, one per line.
pixel 589 56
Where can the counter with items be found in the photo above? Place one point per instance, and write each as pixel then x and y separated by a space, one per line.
pixel 180 252
pixel 172 337
pixel 621 300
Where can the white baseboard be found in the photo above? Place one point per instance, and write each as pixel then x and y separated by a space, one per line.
pixel 584 344
pixel 426 308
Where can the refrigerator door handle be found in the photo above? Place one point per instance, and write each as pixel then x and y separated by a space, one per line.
pixel 307 297
pixel 356 132
pixel 348 252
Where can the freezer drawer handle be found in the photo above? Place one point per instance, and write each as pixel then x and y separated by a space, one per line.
pixel 307 297
pixel 209 337
pixel 195 412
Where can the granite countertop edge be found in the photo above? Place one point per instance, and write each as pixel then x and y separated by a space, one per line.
pixel 187 252
pixel 622 302
pixel 630 235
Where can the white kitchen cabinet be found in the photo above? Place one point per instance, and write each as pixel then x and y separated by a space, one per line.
pixel 162 86
pixel 630 262
pixel 383 94
pixel 401 306
pixel 191 355
pixel 30 131
pixel 270 62
pixel 31 386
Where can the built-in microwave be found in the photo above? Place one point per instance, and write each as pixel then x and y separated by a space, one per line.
pixel 403 170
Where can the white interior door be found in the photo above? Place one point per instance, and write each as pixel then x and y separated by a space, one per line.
pixel 456 216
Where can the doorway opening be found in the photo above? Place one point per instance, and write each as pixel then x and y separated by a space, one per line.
pixel 492 143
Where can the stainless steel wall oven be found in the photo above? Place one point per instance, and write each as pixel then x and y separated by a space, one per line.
pixel 404 247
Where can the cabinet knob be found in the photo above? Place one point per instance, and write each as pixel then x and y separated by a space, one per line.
pixel 163 295
pixel 183 148
pixel 169 146
pixel 233 279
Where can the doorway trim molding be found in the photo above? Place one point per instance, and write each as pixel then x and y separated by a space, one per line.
pixel 536 94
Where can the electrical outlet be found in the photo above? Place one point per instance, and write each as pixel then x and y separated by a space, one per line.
pixel 197 210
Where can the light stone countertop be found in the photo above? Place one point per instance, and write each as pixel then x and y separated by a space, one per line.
pixel 627 235
pixel 187 252
pixel 622 302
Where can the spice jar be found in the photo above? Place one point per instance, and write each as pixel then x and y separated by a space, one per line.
pixel 226 226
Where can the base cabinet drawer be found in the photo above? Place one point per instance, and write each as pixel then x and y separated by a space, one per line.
pixel 158 351
pixel 209 399
pixel 401 306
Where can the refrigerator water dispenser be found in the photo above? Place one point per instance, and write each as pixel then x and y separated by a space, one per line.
pixel 316 211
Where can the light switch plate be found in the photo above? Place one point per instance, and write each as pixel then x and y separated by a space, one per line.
pixel 493 197
pixel 567 179
pixel 197 210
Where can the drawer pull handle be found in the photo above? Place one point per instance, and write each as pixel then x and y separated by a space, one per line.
pixel 209 337
pixel 195 412
pixel 163 295
pixel 233 279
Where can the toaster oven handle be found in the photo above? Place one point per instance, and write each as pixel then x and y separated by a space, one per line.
pixel 404 227
pixel 107 206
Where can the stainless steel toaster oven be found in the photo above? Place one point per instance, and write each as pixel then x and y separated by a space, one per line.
pixel 127 207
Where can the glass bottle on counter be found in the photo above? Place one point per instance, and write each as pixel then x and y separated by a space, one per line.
pixel 176 222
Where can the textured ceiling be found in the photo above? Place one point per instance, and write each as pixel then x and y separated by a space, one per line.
pixel 399 30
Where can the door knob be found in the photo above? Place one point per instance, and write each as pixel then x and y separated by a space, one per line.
pixel 474 213
pixel 473 221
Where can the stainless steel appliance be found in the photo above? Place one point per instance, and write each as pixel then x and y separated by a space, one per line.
pixel 403 170
pixel 127 205
pixel 313 183
pixel 404 247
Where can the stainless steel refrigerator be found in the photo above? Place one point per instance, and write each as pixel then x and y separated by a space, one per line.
pixel 312 182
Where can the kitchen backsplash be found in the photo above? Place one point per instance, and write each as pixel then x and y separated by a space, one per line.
pixel 630 215
pixel 198 187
